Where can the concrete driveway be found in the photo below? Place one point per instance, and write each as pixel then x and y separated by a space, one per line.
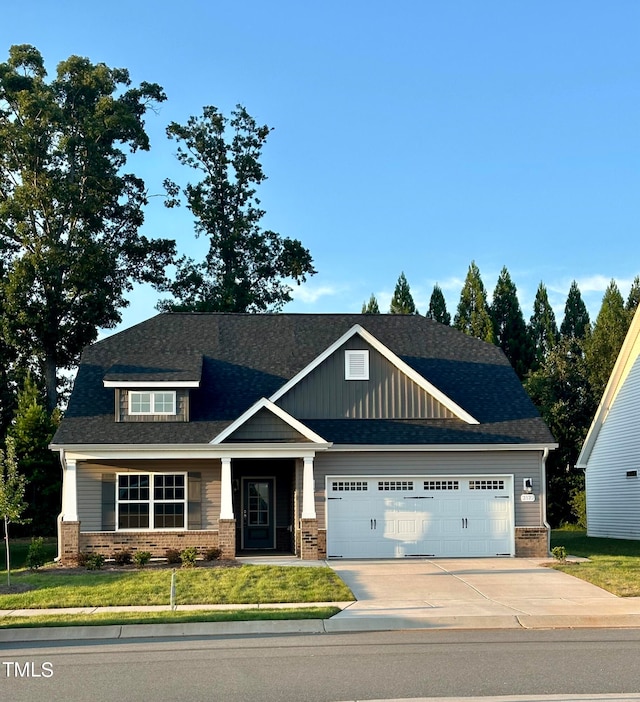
pixel 474 593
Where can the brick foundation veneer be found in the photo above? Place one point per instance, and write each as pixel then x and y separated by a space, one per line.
pixel 532 542
pixel 69 537
pixel 109 542
pixel 227 538
pixel 322 544
pixel 309 539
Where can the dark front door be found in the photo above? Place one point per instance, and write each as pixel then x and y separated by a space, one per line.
pixel 258 519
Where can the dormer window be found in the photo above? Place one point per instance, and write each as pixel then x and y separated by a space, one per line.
pixel 356 365
pixel 152 402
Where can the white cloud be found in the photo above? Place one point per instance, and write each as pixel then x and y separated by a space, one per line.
pixel 309 295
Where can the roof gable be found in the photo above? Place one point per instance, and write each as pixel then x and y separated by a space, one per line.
pixel 370 340
pixel 629 352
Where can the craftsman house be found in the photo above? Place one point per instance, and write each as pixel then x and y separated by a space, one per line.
pixel 610 455
pixel 324 436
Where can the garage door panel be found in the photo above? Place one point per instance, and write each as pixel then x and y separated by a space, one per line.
pixel 396 517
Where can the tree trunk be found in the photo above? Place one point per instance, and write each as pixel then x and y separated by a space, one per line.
pixel 51 382
pixel 6 540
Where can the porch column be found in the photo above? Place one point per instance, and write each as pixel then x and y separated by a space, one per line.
pixel 308 489
pixel 227 522
pixel 309 521
pixel 226 494
pixel 69 492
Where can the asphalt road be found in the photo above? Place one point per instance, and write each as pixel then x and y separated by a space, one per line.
pixel 327 668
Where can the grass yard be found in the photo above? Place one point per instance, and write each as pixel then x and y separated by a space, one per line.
pixel 247 584
pixel 19 548
pixel 614 564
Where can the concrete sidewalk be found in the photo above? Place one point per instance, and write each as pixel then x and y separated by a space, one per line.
pixel 482 593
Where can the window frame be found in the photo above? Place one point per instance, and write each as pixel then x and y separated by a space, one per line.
pixel 152 501
pixel 153 394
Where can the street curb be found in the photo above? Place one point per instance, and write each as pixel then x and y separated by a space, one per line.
pixel 315 626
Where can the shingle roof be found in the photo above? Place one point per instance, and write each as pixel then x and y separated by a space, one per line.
pixel 245 357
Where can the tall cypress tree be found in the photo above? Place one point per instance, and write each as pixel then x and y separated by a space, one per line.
pixel 472 316
pixel 438 307
pixel 576 323
pixel 543 330
pixel 371 307
pixel 508 324
pixel 634 297
pixel 402 300
pixel 604 344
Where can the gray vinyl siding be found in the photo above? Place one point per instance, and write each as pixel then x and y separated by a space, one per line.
pixel 520 464
pixel 265 426
pixel 122 407
pixel 388 394
pixel 613 498
pixel 89 484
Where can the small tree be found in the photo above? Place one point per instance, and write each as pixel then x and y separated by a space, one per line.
pixel 12 487
pixel 402 300
pixel 438 307
pixel 371 307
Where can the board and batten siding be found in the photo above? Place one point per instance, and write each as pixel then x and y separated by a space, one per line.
pixel 613 497
pixel 520 464
pixel 89 486
pixel 388 394
pixel 265 426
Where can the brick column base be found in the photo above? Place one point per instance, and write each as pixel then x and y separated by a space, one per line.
pixel 532 542
pixel 227 538
pixel 69 537
pixel 309 539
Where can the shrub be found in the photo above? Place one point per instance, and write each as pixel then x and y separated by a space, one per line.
pixel 172 555
pixel 141 558
pixel 579 507
pixel 559 552
pixel 212 554
pixel 188 557
pixel 92 561
pixel 122 557
pixel 36 556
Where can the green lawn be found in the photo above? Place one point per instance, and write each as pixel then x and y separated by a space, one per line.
pixel 614 564
pixel 247 584
pixel 19 549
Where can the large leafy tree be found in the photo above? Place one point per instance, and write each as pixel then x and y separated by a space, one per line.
pixel 402 300
pixel 543 330
pixel 69 216
pixel 438 307
pixel 247 268
pixel 472 316
pixel 510 331
pixel 576 323
pixel 609 331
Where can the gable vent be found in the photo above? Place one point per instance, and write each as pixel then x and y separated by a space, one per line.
pixel 356 365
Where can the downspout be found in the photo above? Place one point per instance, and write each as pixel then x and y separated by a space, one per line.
pixel 543 498
pixel 63 463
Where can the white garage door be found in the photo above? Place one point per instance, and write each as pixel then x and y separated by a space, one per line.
pixel 393 517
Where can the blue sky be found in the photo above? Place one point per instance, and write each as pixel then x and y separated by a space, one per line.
pixel 411 136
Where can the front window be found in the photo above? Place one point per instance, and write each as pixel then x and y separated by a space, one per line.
pixel 151 500
pixel 152 402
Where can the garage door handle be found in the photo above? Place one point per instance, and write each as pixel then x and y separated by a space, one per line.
pixel 374 523
pixel 465 523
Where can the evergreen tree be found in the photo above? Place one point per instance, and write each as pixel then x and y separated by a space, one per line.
pixel 576 323
pixel 438 307
pixel 31 432
pixel 560 389
pixel 603 346
pixel 371 307
pixel 402 301
pixel 634 298
pixel 472 316
pixel 510 331
pixel 543 330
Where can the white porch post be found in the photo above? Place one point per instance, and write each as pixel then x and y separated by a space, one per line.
pixel 308 489
pixel 226 494
pixel 69 492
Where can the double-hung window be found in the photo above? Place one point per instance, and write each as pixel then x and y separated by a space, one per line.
pixel 152 402
pixel 151 500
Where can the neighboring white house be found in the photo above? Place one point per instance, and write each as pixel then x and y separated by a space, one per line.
pixel 610 455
